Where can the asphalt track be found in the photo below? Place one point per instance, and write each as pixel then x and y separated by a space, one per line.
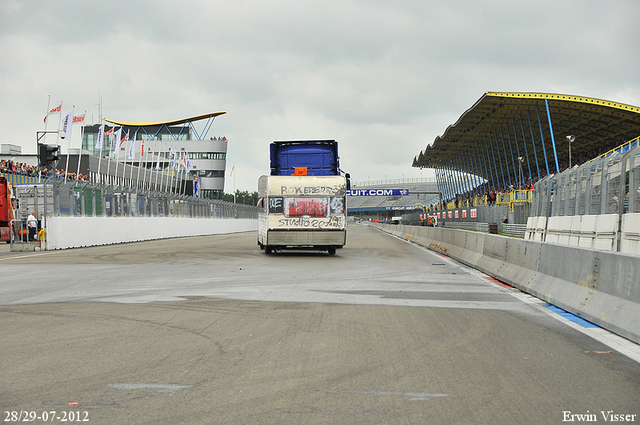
pixel 210 330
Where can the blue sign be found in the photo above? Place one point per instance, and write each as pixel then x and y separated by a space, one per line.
pixel 378 192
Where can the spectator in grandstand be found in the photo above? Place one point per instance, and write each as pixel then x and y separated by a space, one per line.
pixel 614 204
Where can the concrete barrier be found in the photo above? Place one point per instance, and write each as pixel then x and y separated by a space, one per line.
pixel 600 286
pixel 630 233
pixel 574 237
pixel 589 231
pixel 606 232
pixel 74 232
pixel 529 234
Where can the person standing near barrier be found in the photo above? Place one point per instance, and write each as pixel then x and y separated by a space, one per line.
pixel 32 224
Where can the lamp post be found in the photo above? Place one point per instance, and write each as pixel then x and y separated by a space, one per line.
pixel 521 160
pixel 570 139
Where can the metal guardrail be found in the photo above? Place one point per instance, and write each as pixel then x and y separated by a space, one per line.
pixel 514 229
pixel 517 230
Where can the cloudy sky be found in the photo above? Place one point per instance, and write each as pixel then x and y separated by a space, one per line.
pixel 383 78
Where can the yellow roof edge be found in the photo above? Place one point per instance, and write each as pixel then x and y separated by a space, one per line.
pixel 174 122
pixel 567 97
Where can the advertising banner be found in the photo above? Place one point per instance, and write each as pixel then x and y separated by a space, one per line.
pixel 378 192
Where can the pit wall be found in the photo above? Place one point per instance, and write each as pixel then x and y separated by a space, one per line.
pixel 75 232
pixel 601 286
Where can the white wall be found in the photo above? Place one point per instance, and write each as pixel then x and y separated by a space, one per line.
pixel 74 232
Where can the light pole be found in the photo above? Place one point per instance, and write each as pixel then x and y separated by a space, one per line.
pixel 521 160
pixel 570 138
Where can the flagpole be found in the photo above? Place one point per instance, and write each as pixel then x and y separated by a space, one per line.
pixel 58 138
pixel 101 141
pixel 109 162
pixel 116 155
pixel 162 177
pixel 155 184
pixel 44 141
pixel 132 147
pixel 116 152
pixel 172 176
pixel 183 175
pixel 234 182
pixel 157 167
pixel 185 161
pixel 66 167
pixel 188 170
pixel 140 162
pixel 175 168
pixel 81 137
pixel 101 138
pixel 144 179
pixel 180 174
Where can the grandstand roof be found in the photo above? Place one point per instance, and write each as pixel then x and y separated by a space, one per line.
pixel 167 123
pixel 506 121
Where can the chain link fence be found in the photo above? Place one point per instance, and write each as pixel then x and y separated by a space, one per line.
pixel 57 198
pixel 88 200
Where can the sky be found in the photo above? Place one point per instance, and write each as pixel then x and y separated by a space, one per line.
pixel 382 78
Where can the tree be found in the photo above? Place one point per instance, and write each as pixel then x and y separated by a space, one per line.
pixel 243 197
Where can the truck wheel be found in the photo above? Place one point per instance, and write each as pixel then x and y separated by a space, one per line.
pixel 332 251
pixel 267 250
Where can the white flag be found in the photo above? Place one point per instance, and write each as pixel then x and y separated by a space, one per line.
pixel 67 122
pixel 116 141
pixel 100 137
pixel 131 145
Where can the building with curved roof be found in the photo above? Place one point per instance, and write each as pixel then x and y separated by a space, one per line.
pixel 163 144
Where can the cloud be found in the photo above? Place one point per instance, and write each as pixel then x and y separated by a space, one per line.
pixel 384 79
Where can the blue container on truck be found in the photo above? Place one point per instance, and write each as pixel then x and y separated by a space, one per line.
pixel 319 157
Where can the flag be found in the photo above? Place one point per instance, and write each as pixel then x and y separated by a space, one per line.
pixel 55 110
pixel 100 137
pixel 173 154
pixel 196 188
pixel 116 141
pixel 79 118
pixel 132 143
pixel 67 122
pixel 187 163
pixel 142 149
pixel 110 131
pixel 232 168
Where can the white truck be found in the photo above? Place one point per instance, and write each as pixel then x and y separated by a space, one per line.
pixel 302 212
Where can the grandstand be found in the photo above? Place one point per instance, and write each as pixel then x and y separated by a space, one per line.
pixel 385 199
pixel 563 167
